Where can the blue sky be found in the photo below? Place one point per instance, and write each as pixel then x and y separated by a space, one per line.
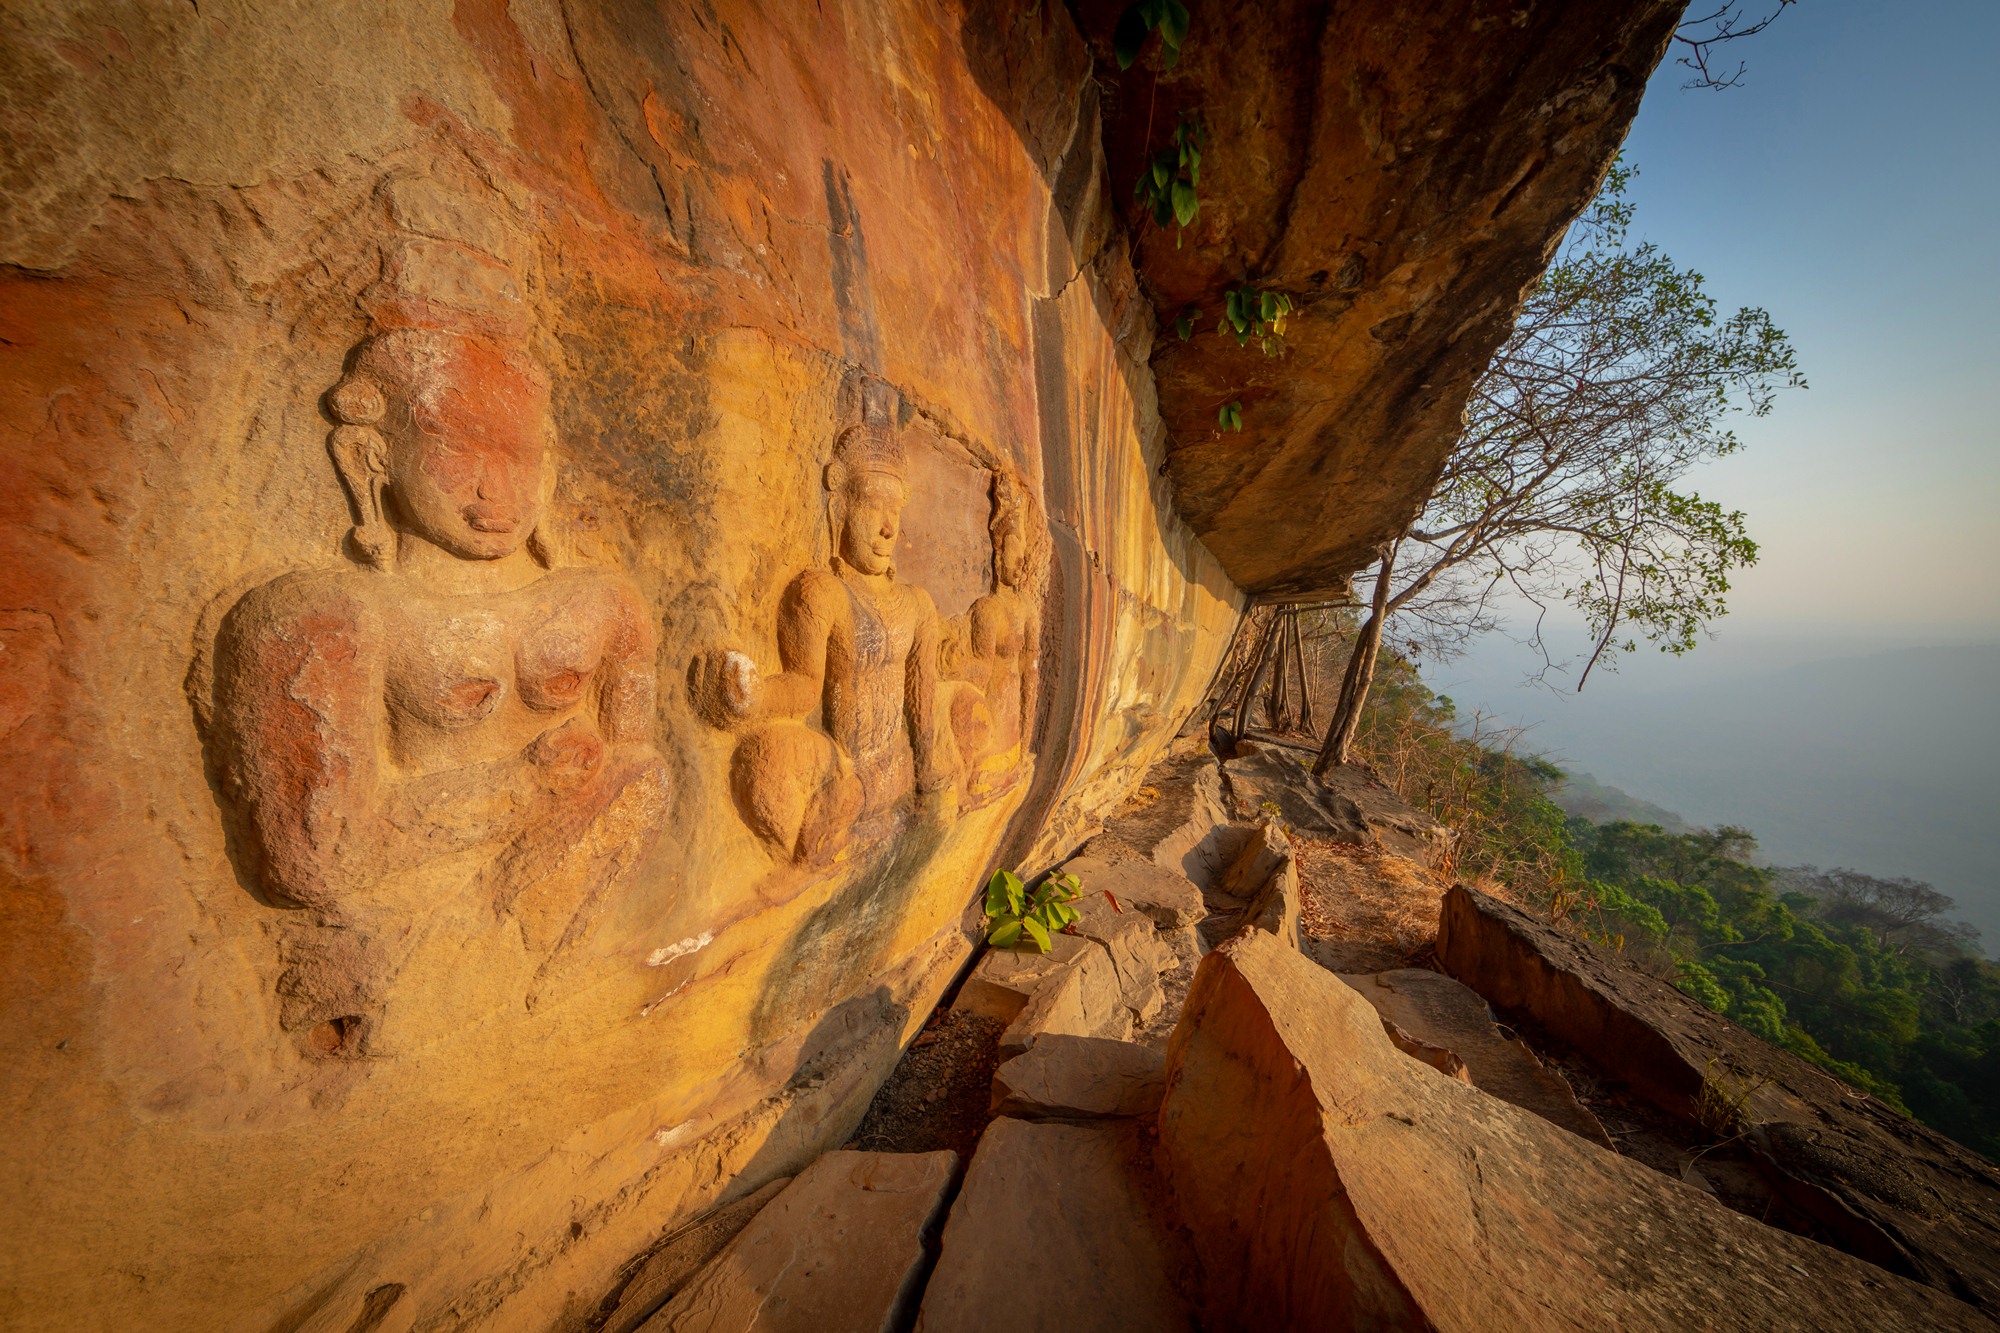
pixel 1851 186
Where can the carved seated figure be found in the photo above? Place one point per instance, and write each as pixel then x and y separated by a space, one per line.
pixel 995 650
pixel 844 735
pixel 454 693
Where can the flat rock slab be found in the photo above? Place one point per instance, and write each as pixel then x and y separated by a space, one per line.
pixel 1393 825
pixel 1329 1183
pixel 1138 952
pixel 842 1247
pixel 1264 782
pixel 1440 1012
pixel 1177 819
pixel 1168 897
pixel 685 1253
pixel 1054 1233
pixel 1006 979
pixel 1083 996
pixel 1080 1078
pixel 1885 1187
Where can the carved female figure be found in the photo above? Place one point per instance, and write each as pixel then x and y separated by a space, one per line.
pixel 996 647
pixel 859 650
pixel 454 692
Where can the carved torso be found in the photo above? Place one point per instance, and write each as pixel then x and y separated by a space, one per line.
pixel 476 678
pixel 1004 633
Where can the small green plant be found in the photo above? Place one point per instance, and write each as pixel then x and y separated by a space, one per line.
pixel 1249 313
pixel 1169 18
pixel 1014 911
pixel 1230 417
pixel 1184 326
pixel 1168 184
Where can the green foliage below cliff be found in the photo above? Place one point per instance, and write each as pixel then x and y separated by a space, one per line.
pixel 1863 976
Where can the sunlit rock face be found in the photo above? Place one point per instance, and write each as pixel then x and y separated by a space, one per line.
pixel 549 547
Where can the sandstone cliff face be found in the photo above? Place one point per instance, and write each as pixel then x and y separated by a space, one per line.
pixel 549 547
pixel 1398 170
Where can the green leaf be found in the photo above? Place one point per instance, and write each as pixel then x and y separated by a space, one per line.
pixel 1185 205
pixel 1267 306
pixel 1004 934
pixel 1185 324
pixel 1152 11
pixel 1163 210
pixel 1173 22
pixel 1130 35
pixel 1038 933
pixel 1169 56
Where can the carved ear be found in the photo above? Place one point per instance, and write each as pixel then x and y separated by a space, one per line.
pixel 361 456
pixel 836 507
pixel 543 543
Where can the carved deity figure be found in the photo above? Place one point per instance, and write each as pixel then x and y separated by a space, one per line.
pixel 995 648
pixel 844 735
pixel 456 695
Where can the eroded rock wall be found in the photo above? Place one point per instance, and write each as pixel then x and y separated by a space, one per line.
pixel 548 548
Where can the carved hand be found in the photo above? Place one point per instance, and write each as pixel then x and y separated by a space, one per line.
pixel 567 756
pixel 725 686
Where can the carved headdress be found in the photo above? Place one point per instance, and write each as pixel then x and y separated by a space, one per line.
pixel 435 303
pixel 869 449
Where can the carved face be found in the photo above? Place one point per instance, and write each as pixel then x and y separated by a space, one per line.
pixel 874 520
pixel 467 445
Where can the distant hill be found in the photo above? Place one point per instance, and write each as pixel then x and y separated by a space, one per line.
pixel 1888 763
pixel 1584 797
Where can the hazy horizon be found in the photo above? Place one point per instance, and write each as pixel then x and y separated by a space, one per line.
pixel 1841 187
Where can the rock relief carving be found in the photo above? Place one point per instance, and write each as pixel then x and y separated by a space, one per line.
pixel 455 726
pixel 992 654
pixel 843 740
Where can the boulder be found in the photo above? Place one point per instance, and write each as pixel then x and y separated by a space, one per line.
pixel 682 1255
pixel 1083 996
pixel 1168 897
pixel 1266 880
pixel 1256 860
pixel 1137 950
pixel 1393 825
pixel 1054 1231
pixel 1267 783
pixel 1883 1186
pixel 842 1247
pixel 1328 1182
pixel 1080 1078
pixel 1437 1057
pixel 1005 979
pixel 1443 1014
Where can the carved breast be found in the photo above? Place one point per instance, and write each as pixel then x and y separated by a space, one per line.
pixel 454 672
pixel 558 658
pixel 510 662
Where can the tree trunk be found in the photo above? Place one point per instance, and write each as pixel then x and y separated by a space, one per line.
pixel 1360 674
pixel 1279 706
pixel 1250 680
pixel 1305 684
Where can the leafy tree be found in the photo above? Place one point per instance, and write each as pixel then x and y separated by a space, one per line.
pixel 1620 376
